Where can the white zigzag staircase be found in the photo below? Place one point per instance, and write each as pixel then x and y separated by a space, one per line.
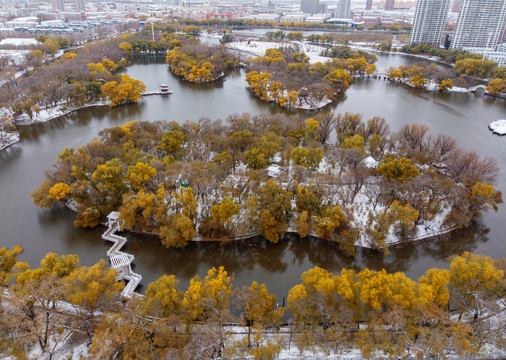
pixel 121 261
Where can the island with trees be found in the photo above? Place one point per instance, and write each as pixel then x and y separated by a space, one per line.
pixel 214 180
pixel 468 69
pixel 79 78
pixel 197 62
pixel 286 77
pixel 62 309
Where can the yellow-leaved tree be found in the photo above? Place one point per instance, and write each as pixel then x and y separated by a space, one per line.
pixel 139 174
pixel 92 289
pixel 163 297
pixel 209 298
pixel 259 308
pixel 124 91
pixel 33 317
pixel 475 283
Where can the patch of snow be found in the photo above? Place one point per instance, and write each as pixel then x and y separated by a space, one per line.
pixel 258 48
pixel 273 170
pixel 498 127
pixel 370 162
pixel 45 115
pixel 7 139
pixel 19 42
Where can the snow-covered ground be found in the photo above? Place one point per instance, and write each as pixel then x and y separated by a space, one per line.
pixel 435 87
pixel 45 115
pixel 364 208
pixel 258 48
pixel 7 139
pixel 498 127
pixel 237 334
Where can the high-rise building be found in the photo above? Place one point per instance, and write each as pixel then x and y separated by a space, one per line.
pixel 389 4
pixel 344 9
pixel 429 22
pixel 456 6
pixel 480 23
pixel 368 5
pixel 58 5
pixel 309 6
pixel 79 6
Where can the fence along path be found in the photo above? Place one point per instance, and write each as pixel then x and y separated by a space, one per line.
pixel 121 261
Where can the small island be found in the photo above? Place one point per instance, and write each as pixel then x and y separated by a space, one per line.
pixel 292 75
pixel 331 176
pixel 498 127
pixel 197 62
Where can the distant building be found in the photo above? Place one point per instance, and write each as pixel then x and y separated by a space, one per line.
pixel 389 4
pixel 499 55
pixel 22 23
pixel 296 18
pixel 344 9
pixel 309 6
pixel 371 21
pixel 58 5
pixel 368 5
pixel 480 23
pixel 345 22
pixel 429 22
pixel 79 6
pixel 456 6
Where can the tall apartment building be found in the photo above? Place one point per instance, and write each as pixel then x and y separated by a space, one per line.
pixel 368 5
pixel 429 22
pixel 456 6
pixel 389 4
pixel 309 6
pixel 58 5
pixel 344 9
pixel 480 23
pixel 79 6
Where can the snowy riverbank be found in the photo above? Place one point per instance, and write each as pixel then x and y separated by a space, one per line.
pixel 7 139
pixel 45 115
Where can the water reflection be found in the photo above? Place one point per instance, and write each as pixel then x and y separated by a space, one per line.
pixel 285 261
pixel 10 154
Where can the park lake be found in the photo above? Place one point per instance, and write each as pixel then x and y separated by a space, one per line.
pixel 279 266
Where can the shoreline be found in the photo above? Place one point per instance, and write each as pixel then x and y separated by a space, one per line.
pixel 13 138
pixel 291 231
pixel 54 113
pixel 313 235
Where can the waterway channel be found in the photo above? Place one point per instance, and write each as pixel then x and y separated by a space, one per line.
pixel 279 266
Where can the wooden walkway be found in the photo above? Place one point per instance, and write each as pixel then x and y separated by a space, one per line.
pixel 121 261
pixel 156 92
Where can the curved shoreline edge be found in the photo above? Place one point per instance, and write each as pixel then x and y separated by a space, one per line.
pixel 8 139
pixel 291 231
pixel 314 235
pixel 55 113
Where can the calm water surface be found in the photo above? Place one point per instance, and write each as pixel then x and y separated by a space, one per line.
pixel 280 265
